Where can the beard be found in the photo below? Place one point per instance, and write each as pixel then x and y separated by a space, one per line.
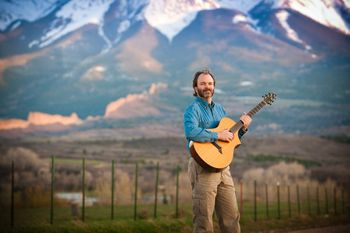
pixel 207 93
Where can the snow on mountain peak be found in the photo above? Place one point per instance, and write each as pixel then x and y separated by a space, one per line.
pixel 11 11
pixel 347 3
pixel 171 16
pixel 239 19
pixel 322 11
pixel 73 15
pixel 291 34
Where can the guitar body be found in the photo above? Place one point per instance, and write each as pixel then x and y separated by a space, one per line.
pixel 219 156
pixel 216 156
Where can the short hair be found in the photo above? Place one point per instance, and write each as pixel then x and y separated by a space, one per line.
pixel 195 78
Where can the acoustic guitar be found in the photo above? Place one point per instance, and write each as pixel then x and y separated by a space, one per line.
pixel 218 155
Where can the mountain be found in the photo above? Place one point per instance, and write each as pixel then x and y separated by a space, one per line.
pixel 58 18
pixel 110 64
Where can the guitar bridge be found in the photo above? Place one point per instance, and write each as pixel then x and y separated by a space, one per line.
pixel 217 147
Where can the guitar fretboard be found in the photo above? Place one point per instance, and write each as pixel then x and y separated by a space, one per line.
pixel 268 99
pixel 256 108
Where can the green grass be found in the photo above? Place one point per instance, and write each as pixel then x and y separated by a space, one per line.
pixel 122 226
pixel 98 219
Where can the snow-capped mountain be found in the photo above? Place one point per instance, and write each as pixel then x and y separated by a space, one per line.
pixel 168 16
pixel 331 14
pixel 326 12
pixel 69 61
pixel 74 15
pixel 13 13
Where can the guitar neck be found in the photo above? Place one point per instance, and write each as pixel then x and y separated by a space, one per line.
pixel 256 109
pixel 251 113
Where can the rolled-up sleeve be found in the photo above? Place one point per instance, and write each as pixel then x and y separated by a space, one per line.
pixel 193 131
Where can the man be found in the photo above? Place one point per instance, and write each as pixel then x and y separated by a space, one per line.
pixel 210 190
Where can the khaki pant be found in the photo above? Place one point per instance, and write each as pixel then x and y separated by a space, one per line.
pixel 213 190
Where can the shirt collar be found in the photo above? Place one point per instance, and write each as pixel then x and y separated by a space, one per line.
pixel 205 103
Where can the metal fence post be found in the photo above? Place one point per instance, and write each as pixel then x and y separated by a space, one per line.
pixel 326 200
pixel 298 200
pixel 52 189
pixel 335 200
pixel 83 191
pixel 289 204
pixel 267 201
pixel 308 200
pixel 342 200
pixel 112 189
pixel 241 197
pixel 255 202
pixel 177 191
pixel 278 201
pixel 12 194
pixel 318 201
pixel 156 191
pixel 136 190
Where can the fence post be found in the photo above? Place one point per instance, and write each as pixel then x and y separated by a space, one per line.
pixel 136 189
pixel 335 200
pixel 156 191
pixel 298 200
pixel 347 205
pixel 318 201
pixel 342 200
pixel 241 197
pixel 278 201
pixel 83 191
pixel 52 189
pixel 326 200
pixel 255 207
pixel 177 191
pixel 289 204
pixel 267 201
pixel 12 194
pixel 308 200
pixel 112 189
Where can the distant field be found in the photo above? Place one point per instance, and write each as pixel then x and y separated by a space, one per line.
pixel 73 161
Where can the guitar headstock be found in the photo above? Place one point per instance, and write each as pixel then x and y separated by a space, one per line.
pixel 269 98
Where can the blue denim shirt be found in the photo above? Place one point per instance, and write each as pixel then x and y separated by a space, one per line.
pixel 201 116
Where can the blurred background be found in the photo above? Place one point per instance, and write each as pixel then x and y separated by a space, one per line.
pixel 110 79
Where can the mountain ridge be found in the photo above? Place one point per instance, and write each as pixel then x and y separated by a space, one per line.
pixel 67 13
pixel 81 73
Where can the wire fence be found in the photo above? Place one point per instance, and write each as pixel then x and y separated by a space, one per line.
pixel 256 200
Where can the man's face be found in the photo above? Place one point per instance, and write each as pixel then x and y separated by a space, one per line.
pixel 205 86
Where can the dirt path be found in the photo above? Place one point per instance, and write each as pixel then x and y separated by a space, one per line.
pixel 332 229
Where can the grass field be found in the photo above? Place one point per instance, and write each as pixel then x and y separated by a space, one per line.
pixel 98 219
pixel 331 205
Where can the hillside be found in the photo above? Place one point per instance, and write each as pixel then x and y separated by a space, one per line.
pixel 321 158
